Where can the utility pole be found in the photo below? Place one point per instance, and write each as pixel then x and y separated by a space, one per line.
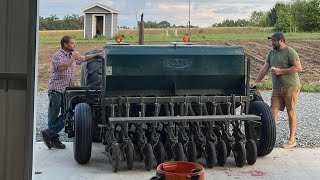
pixel 189 22
pixel 141 31
pixel 290 17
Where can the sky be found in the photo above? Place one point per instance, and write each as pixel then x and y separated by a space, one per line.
pixel 203 13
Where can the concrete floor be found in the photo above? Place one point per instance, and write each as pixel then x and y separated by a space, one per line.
pixel 298 163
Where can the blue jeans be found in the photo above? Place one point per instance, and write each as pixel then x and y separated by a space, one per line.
pixel 55 115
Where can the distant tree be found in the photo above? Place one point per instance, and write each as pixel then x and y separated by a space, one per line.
pixel 242 22
pixel 306 15
pixel 151 24
pixel 73 22
pixel 69 22
pixel 272 15
pixel 232 23
pixel 42 23
pixel 258 19
pixel 164 24
pixel 124 27
pixel 297 15
pixel 50 23
pixel 284 18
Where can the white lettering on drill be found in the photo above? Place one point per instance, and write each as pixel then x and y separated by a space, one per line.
pixel 109 70
pixel 176 64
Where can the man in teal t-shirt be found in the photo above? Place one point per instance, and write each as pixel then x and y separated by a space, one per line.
pixel 284 65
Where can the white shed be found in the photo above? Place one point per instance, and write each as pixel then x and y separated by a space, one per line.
pixel 100 19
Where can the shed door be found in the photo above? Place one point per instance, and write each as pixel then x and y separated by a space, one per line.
pixel 99 25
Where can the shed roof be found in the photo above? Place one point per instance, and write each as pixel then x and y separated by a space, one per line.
pixel 107 8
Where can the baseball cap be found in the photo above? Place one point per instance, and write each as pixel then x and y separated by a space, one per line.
pixel 277 35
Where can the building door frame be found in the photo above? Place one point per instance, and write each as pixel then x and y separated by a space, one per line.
pixel 94 24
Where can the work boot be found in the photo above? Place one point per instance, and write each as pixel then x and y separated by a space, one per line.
pixel 46 138
pixel 58 145
pixel 289 145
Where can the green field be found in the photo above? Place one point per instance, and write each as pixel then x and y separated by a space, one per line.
pixel 176 35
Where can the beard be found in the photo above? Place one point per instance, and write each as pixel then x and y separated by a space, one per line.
pixel 276 47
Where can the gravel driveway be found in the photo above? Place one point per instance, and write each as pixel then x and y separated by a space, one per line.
pixel 308 128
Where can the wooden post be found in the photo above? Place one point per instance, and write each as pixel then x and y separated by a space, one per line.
pixel 141 31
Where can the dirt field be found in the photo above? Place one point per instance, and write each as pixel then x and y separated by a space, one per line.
pixel 308 50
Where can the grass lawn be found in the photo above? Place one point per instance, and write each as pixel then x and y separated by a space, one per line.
pixel 175 35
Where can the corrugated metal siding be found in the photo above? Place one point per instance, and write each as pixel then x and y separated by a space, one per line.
pixel 16 130
pixel 97 9
pixel 88 25
pixel 115 25
pixel 108 25
pixel 3 35
pixel 17 67
pixel 3 125
pixel 15 37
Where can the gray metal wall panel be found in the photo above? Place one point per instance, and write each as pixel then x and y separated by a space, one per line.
pixel 88 25
pixel 3 17
pixel 108 25
pixel 17 57
pixel 97 9
pixel 115 24
pixel 16 45
pixel 16 127
pixel 3 129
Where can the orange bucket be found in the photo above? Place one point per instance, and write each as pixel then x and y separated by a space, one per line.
pixel 179 170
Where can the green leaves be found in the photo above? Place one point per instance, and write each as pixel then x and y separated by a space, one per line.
pixel 297 15
pixel 73 22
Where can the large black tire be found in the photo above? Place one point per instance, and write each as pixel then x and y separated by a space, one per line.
pixel 82 75
pixel 91 75
pixel 211 155
pixel 148 156
pixel 129 151
pixel 192 152
pixel 179 152
pixel 222 153
pixel 82 143
pixel 159 152
pixel 263 134
pixel 240 154
pixel 115 156
pixel 91 72
pixel 252 152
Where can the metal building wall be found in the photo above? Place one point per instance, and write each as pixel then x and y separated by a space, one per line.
pixel 17 73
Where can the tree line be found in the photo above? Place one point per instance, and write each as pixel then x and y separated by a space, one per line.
pixel 297 15
pixel 164 24
pixel 73 22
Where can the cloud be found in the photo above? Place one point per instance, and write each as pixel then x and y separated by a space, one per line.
pixel 203 12
pixel 227 10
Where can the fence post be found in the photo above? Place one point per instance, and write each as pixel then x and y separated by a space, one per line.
pixel 141 31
